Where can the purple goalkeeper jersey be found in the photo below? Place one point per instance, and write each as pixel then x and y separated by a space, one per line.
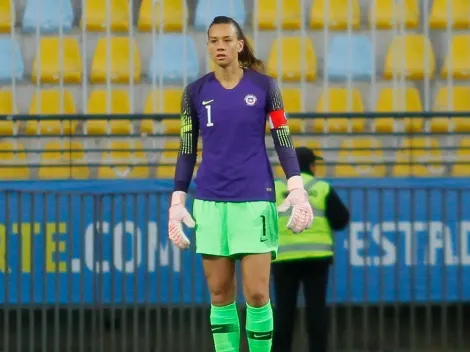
pixel 235 166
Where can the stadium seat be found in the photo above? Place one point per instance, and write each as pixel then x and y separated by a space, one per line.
pixel 168 158
pixel 461 167
pixel 287 59
pixel 7 107
pixel 454 10
pixel 359 56
pixel 113 102
pixel 11 61
pixel 52 102
pixel 50 16
pixel 6 16
pixel 124 160
pixel 119 67
pixel 418 157
pixel 57 58
pixel 292 98
pixel 361 158
pixel 452 99
pixel 163 101
pixel 410 56
pixel 97 15
pixel 63 159
pixel 270 15
pixel 389 14
pixel 174 56
pixel 335 14
pixel 398 100
pixel 13 160
pixel 206 10
pixel 168 15
pixel 339 100
pixel 457 60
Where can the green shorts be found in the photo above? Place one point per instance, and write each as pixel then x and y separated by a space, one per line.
pixel 230 229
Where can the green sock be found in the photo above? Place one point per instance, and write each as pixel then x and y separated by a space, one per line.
pixel 259 328
pixel 225 328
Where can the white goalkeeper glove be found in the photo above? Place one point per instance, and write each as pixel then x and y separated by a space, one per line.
pixel 297 201
pixel 178 214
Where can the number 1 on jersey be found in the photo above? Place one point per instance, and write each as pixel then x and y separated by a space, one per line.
pixel 209 116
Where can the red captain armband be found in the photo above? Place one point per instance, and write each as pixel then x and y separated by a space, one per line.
pixel 277 119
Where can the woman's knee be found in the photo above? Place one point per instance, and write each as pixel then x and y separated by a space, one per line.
pixel 222 292
pixel 220 275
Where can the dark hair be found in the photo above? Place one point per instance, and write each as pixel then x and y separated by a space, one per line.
pixel 246 58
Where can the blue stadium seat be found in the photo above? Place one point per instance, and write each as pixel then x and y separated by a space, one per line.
pixel 11 61
pixel 173 56
pixel 49 15
pixel 349 56
pixel 206 10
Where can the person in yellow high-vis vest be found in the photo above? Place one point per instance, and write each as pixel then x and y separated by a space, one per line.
pixel 305 258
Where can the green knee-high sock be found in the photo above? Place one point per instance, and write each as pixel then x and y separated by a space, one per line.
pixel 225 328
pixel 259 328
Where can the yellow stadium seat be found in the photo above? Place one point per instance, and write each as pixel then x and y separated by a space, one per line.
pixel 57 58
pixel 418 157
pixel 388 14
pixel 63 160
pixel 124 160
pixel 461 165
pixel 163 101
pixel 7 107
pixel 113 102
pixel 335 14
pixel 7 16
pixel 287 59
pixel 119 67
pixel 168 158
pixel 452 99
pixel 398 100
pixel 169 14
pixel 457 60
pixel 13 161
pixel 52 102
pixel 410 56
pixel 97 15
pixel 269 14
pixel 361 158
pixel 339 100
pixel 458 11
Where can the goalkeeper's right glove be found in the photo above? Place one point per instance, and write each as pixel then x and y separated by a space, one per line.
pixel 178 214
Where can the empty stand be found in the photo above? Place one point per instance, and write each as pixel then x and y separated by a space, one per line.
pixel 7 15
pixel 361 157
pixel 111 102
pixel 292 98
pixel 290 58
pixel 410 56
pixel 349 56
pixel 124 160
pixel 122 65
pixel 335 14
pixel 461 167
pixel 271 16
pixel 389 14
pixel 52 102
pixel 11 61
pixel 453 13
pixel 206 10
pixel 166 101
pixel 168 158
pixel 57 58
pixel 452 99
pixel 48 16
pixel 418 157
pixel 174 58
pixel 63 159
pixel 457 61
pixel 98 15
pixel 398 100
pixel 13 161
pixel 339 100
pixel 168 15
pixel 7 107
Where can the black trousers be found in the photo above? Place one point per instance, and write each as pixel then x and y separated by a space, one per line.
pixel 313 274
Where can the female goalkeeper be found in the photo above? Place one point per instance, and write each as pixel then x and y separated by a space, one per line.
pixel 234 206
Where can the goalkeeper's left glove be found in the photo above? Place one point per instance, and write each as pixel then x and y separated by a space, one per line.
pixel 301 213
pixel 178 214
